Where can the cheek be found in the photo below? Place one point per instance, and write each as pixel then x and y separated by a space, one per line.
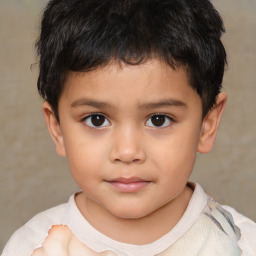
pixel 84 158
pixel 176 155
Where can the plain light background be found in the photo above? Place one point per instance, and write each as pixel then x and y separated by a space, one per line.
pixel 33 178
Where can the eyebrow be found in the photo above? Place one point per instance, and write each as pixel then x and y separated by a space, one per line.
pixel 151 105
pixel 163 103
pixel 90 102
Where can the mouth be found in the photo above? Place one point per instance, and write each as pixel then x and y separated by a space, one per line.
pixel 129 185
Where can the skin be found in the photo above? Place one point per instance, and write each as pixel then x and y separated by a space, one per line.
pixel 60 241
pixel 132 173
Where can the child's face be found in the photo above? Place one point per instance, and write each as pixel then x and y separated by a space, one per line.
pixel 131 135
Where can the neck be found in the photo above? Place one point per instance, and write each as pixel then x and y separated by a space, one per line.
pixel 137 231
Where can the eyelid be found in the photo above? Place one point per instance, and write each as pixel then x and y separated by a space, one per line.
pixel 162 114
pixel 172 120
pixel 93 114
pixel 83 120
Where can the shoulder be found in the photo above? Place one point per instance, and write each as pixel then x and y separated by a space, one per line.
pixel 247 228
pixel 33 233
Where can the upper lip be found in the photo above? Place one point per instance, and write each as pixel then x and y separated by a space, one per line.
pixel 128 180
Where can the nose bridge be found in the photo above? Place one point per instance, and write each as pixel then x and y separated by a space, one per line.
pixel 127 145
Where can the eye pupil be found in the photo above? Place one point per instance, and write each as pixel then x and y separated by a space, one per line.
pixel 158 120
pixel 97 120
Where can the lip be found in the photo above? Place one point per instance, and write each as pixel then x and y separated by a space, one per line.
pixel 129 185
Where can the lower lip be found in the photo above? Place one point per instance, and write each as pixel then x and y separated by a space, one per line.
pixel 129 187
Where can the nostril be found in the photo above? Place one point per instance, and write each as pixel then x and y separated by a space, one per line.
pixel 127 157
pixel 126 146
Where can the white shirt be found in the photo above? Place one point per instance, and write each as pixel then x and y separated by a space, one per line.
pixel 33 233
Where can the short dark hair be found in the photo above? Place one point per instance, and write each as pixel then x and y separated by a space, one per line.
pixel 81 35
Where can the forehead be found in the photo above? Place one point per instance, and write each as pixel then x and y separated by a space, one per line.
pixel 147 82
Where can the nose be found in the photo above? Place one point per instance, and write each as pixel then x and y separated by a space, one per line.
pixel 127 146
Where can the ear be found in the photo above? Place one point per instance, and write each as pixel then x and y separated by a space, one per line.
pixel 210 124
pixel 54 128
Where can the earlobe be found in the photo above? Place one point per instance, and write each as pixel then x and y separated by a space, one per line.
pixel 210 124
pixel 54 128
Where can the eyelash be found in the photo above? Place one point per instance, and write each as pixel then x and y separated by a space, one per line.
pixel 170 119
pixel 92 115
pixel 161 115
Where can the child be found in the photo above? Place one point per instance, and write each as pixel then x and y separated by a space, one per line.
pixel 132 93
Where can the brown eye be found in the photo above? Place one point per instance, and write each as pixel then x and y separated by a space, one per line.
pixel 97 120
pixel 159 121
